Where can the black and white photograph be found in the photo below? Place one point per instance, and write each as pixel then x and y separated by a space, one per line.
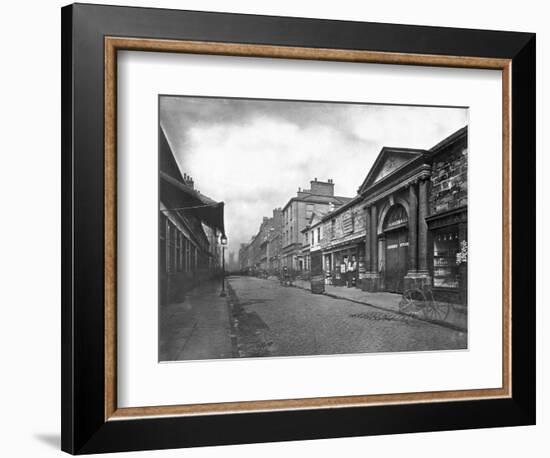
pixel 300 228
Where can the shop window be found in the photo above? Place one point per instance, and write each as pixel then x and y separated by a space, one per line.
pixel 173 234
pixel 162 246
pixel 178 251
pixel 168 246
pixel 445 268
pixel 194 254
pixel 187 255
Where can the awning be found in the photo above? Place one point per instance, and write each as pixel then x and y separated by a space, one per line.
pixel 179 197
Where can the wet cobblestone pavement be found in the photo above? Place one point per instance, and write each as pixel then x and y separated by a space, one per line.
pixel 273 320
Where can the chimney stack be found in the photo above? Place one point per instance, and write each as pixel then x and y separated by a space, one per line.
pixel 322 188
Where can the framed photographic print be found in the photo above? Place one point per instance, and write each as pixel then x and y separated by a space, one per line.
pixel 282 228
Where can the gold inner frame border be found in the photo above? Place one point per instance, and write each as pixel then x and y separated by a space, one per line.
pixel 114 44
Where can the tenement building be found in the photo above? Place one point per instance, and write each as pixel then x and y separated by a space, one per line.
pixel 297 214
pixel 190 226
pixel 262 253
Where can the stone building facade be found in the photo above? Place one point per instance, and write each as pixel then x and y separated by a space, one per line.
pixel 416 209
pixel 340 235
pixel 263 252
pixel 297 213
pixel 405 228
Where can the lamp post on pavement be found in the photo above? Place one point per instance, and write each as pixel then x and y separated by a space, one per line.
pixel 223 241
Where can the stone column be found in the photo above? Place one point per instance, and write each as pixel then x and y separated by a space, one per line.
pixel 367 239
pixel 373 240
pixel 413 211
pixel 423 226
pixel 382 261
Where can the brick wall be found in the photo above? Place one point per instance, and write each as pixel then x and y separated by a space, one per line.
pixel 449 180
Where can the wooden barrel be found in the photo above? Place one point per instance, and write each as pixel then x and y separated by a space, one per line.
pixel 317 284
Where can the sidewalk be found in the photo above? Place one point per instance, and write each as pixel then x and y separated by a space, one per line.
pixel 458 317
pixel 197 328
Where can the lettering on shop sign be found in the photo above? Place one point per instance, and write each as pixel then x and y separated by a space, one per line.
pixel 393 245
pixel 404 244
pixel 397 222
pixel 396 216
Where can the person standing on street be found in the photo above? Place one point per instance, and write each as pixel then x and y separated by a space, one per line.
pixel 344 270
pixel 351 272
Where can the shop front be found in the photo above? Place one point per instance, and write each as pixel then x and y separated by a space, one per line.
pixel 344 262
pixel 449 241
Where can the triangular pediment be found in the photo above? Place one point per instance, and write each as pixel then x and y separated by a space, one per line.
pixel 316 218
pixel 387 163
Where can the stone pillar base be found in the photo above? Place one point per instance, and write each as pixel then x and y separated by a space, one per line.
pixel 371 282
pixel 416 279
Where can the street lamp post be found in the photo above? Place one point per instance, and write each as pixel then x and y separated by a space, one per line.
pixel 223 241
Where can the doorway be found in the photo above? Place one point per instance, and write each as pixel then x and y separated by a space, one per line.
pixel 397 248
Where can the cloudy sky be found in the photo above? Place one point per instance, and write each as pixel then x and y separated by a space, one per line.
pixel 254 154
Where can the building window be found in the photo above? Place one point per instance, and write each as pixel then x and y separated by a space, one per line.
pixel 446 247
pixel 309 211
pixel 162 246
pixel 333 228
pixel 178 251
pixel 318 235
pixel 187 255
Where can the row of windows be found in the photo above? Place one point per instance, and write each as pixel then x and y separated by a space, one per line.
pixel 287 214
pixel 313 236
pixel 179 254
pixel 348 227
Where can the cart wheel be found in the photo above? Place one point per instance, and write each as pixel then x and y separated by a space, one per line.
pixel 444 309
pixel 431 313
pixel 437 311
pixel 412 299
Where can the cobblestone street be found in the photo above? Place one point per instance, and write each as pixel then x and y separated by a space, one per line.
pixel 273 320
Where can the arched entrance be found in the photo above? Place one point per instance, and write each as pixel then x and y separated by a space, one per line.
pixel 396 233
